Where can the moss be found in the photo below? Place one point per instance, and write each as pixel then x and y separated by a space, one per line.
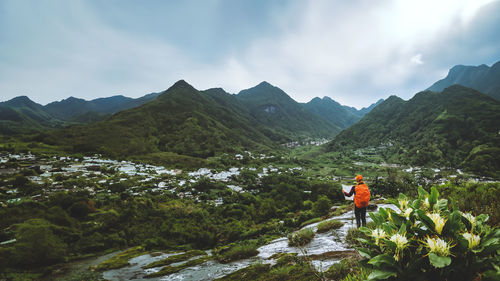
pixel 167 270
pixel 121 260
pixel 342 269
pixel 311 221
pixel 250 273
pixel 328 225
pixel 301 237
pixel 237 251
pixel 177 258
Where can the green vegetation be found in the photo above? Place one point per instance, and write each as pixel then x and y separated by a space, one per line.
pixel 458 127
pixel 329 225
pixel 429 240
pixel 300 237
pixel 173 269
pixel 176 258
pixel 237 251
pixel 121 259
pixel 346 269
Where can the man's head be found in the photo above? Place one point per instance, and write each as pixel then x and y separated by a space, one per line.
pixel 359 178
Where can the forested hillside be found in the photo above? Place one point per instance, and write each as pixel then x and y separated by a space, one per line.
pixel 458 127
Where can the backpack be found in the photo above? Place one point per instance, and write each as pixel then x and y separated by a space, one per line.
pixel 362 195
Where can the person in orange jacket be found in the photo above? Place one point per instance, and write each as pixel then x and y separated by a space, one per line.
pixel 361 200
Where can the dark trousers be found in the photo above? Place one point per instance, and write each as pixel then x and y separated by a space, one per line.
pixel 360 216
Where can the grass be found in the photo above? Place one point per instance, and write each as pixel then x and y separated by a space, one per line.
pixel 328 225
pixel 311 221
pixel 167 270
pixel 121 260
pixel 237 251
pixel 354 233
pixel 340 270
pixel 177 258
pixel 301 237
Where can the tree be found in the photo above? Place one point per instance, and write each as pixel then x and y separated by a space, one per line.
pixel 322 206
pixel 37 245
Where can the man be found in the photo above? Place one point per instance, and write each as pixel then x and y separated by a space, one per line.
pixel 361 200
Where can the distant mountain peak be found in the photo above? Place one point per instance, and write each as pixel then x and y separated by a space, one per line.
pixel 181 84
pixel 482 78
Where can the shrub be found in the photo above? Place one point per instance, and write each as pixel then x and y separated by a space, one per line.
pixel 322 206
pixel 301 237
pixel 427 241
pixel 328 225
pixel 342 269
pixel 237 251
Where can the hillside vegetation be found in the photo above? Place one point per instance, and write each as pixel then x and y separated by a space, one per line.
pixel 458 127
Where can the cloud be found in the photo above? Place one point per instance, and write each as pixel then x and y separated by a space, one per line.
pixel 417 59
pixel 353 51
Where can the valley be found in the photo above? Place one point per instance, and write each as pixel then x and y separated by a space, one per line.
pixel 189 184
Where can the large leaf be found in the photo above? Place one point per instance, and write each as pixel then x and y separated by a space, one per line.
pixel 453 223
pixel 441 205
pixel 433 197
pixel 426 220
pixel 365 253
pixel 376 218
pixel 439 261
pixel 422 194
pixel 381 274
pixel 383 260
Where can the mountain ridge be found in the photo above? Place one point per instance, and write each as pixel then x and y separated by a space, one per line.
pixel 482 78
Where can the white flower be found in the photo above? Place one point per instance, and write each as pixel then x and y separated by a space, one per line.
pixel 400 240
pixel 473 239
pixel 438 246
pixel 426 205
pixel 469 217
pixel 403 204
pixel 438 221
pixel 378 234
pixel 408 212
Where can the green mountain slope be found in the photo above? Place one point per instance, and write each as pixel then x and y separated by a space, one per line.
pixel 481 78
pixel 339 115
pixel 80 109
pixel 182 120
pixel 457 127
pixel 22 115
pixel 272 107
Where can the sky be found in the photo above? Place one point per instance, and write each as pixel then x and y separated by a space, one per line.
pixel 354 52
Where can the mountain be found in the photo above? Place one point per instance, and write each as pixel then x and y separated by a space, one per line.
pixel 482 78
pixel 272 107
pixel 180 120
pixel 72 108
pixel 339 115
pixel 22 115
pixel 457 127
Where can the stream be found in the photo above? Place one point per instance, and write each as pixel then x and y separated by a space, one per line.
pixel 331 241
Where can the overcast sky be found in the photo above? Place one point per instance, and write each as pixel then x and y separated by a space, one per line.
pixel 352 51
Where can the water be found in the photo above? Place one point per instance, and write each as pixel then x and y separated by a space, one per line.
pixel 331 241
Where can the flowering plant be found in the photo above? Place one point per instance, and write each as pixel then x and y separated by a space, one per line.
pixel 427 239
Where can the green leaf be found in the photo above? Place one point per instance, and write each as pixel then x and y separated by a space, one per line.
pixel 433 197
pixel 438 261
pixel 365 253
pixel 441 205
pixel 381 274
pixel 422 194
pixel 402 229
pixel 426 220
pixel 383 260
pixel 453 223
pixel 402 197
pixel 383 213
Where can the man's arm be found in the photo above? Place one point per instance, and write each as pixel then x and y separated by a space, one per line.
pixel 350 193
